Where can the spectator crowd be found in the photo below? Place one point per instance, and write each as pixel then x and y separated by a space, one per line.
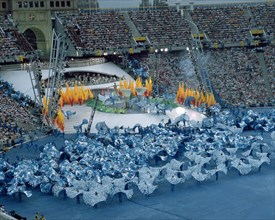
pixel 13 45
pixel 97 30
pixel 237 76
pixel 16 118
pixel 264 17
pixel 163 27
pixel 227 24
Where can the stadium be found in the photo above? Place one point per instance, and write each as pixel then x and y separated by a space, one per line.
pixel 138 110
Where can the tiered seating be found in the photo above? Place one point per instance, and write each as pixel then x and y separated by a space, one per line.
pixel 98 30
pixel 16 119
pixel 264 17
pixel 228 24
pixel 236 76
pixel 8 47
pixel 12 44
pixel 162 27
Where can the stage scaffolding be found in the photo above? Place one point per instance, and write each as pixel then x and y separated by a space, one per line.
pixel 49 91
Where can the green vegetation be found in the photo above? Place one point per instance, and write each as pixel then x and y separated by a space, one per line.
pixel 111 109
pixel 166 102
pixel 103 108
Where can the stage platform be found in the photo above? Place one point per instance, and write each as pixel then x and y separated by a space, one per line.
pixel 111 119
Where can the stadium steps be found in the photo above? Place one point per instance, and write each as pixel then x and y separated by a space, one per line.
pixel 196 69
pixel 199 64
pixel 198 58
pixel 265 74
pixel 131 25
pixel 61 29
pixel 192 25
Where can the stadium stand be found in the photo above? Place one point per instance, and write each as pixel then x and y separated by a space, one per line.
pixel 237 77
pixel 228 24
pixel 98 31
pixel 264 17
pixel 14 46
pixel 163 27
pixel 16 118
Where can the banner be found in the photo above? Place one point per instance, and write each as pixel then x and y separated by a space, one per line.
pixel 257 32
pixel 140 39
pixel 201 36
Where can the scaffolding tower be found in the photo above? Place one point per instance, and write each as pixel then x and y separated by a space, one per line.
pixel 50 90
pixel 35 74
pixel 55 75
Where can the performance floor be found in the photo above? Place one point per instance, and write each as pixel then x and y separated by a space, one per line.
pixel 232 197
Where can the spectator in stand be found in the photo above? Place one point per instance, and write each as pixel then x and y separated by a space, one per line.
pixel 13 44
pixel 224 24
pixel 97 30
pixel 237 76
pixel 16 118
pixel 164 27
pixel 264 17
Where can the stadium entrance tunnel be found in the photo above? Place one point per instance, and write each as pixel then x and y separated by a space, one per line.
pixel 36 38
pixel 31 37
